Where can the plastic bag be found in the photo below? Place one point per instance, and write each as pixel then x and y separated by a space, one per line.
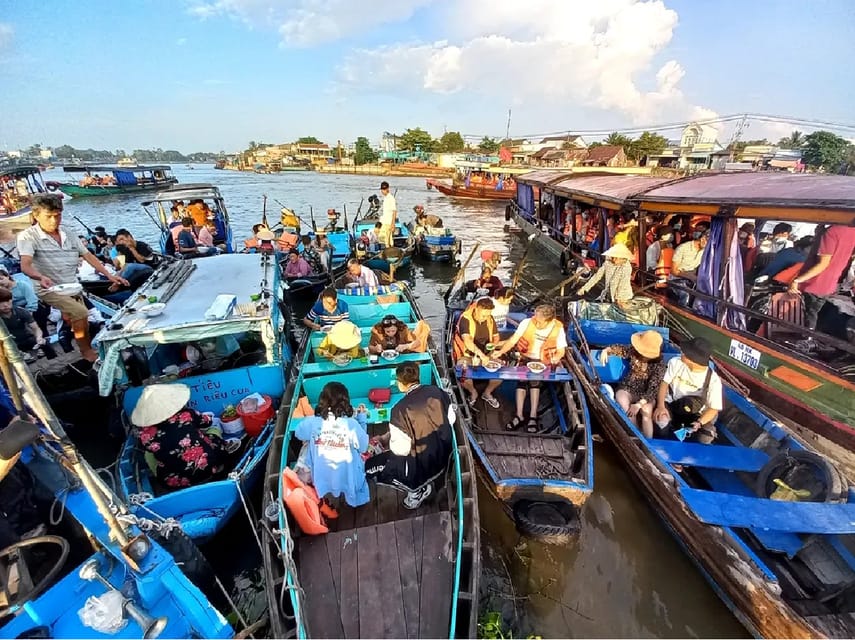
pixel 104 613
pixel 301 467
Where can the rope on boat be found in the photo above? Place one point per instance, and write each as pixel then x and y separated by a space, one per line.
pixel 164 527
pixel 235 477
pixel 273 513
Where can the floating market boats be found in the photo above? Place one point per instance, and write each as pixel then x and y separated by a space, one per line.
pixel 201 200
pixel 212 325
pixel 381 570
pixel 812 389
pixel 542 478
pixel 17 186
pixel 770 523
pixel 121 180
pixel 111 577
pixel 389 259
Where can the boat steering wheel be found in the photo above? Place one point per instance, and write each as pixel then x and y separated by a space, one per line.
pixel 26 589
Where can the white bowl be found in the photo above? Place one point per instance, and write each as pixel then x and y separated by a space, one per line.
pixel 389 354
pixel 493 366
pixel 536 367
pixel 153 309
pixel 342 360
pixel 69 289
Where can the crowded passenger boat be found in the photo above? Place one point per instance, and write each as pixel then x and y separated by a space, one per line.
pixel 115 180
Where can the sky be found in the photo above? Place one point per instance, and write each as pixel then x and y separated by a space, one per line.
pixel 211 75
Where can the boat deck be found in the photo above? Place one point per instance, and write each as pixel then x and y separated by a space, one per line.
pixel 382 572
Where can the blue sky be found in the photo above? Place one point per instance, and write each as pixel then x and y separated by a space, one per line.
pixel 208 75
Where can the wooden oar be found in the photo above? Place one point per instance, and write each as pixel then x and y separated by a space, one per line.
pixel 518 271
pixel 460 271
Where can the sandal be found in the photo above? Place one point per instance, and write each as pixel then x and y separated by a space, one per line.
pixel 532 426
pixel 490 400
pixel 514 424
pixel 472 401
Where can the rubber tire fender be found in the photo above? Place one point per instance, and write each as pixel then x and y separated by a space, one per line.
pixel 836 484
pixel 548 521
pixel 52 186
pixel 508 210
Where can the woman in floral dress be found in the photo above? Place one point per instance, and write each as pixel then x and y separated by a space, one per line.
pixel 185 448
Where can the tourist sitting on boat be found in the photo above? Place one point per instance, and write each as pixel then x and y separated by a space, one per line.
pixel 491 258
pixel 540 338
pixel 637 391
pixel 746 238
pixel 690 395
pixel 207 234
pixel 183 447
pixel 617 272
pixel 296 267
pixel 359 274
pixel 474 339
pixel 188 242
pixel 787 263
pixel 487 284
pixel 324 248
pixel 343 339
pixel 685 263
pixel 335 441
pixel 49 256
pixel 311 256
pixel 391 334
pixel 327 311
pixel 198 211
pixel 21 288
pixel 660 255
pixel 502 306
pixel 420 439
pixel 21 325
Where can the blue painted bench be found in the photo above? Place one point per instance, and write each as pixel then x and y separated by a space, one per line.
pixel 712 456
pixel 318 336
pixel 367 315
pixel 325 366
pixel 731 510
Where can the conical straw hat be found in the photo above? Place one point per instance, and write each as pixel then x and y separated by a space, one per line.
pixel 159 402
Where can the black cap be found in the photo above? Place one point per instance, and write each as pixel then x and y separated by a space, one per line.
pixel 698 350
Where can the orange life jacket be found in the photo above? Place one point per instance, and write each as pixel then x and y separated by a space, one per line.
pixel 303 503
pixel 287 241
pixel 592 230
pixel 663 266
pixel 458 346
pixel 550 345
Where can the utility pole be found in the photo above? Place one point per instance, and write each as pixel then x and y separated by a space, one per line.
pixel 508 128
pixel 737 133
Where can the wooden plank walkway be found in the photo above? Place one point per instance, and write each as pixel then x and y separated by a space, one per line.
pixel 388 580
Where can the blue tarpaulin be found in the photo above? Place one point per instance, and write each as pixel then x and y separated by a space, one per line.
pixel 729 288
pixel 125 178
pixel 525 199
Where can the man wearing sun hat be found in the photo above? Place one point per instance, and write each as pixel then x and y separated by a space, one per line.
pixel 617 271
pixel 343 339
pixel 690 394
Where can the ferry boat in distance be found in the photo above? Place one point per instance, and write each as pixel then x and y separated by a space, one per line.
pixel 115 181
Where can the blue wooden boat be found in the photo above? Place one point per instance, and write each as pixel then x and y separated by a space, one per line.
pixel 438 248
pixel 784 567
pixel 381 570
pixel 543 478
pixel 138 350
pixel 109 557
pixel 388 259
pixel 159 209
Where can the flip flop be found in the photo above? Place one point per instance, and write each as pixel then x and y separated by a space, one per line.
pixel 472 401
pixel 514 424
pixel 532 426
pixel 490 400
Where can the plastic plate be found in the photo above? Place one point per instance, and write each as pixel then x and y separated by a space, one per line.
pixel 536 367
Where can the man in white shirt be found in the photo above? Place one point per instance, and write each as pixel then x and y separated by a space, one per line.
pixel 389 216
pixel 358 273
pixel 686 260
pixel 690 395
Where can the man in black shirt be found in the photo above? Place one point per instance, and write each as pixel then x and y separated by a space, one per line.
pixel 20 324
pixel 139 258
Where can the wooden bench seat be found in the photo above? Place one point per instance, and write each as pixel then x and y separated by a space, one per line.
pixel 326 366
pixel 709 455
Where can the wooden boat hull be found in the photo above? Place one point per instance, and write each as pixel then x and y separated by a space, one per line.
pixel 76 191
pixel 762 587
pixel 470 193
pixel 364 595
pixel 438 252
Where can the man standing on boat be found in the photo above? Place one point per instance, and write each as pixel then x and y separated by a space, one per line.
pixel 49 256
pixel 389 216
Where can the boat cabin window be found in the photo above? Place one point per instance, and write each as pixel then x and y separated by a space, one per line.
pixel 165 362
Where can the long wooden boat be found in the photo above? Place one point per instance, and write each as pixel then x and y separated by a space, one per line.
pixel 126 180
pixel 554 466
pixel 97 547
pixel 812 391
pixel 139 350
pixel 381 570
pixel 472 192
pixel 782 564
pixel 389 259
pixel 17 187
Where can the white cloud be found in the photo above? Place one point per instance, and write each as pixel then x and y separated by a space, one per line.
pixel 585 54
pixel 7 34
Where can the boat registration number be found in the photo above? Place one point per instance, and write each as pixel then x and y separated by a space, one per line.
pixel 743 353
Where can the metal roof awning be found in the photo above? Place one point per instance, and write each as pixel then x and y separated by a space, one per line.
pixel 193 191
pixel 19 172
pixel 544 177
pixel 612 188
pixel 135 169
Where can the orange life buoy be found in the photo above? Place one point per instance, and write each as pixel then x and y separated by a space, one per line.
pixel 303 503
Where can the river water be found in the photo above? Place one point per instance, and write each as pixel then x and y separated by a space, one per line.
pixel 625 576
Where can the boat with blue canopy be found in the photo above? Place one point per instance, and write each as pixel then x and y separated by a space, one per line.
pixel 115 181
pixel 770 523
pixel 212 325
pixel 17 187
pixel 379 570
pixel 101 574
pixel 542 476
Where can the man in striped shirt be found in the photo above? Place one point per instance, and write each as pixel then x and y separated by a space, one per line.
pixel 327 311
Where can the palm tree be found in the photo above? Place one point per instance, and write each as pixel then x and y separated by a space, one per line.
pixel 793 141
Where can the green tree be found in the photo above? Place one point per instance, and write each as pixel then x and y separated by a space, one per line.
pixel 415 139
pixel 451 142
pixel 308 140
pixel 793 141
pixel 65 152
pixel 647 144
pixel 620 140
pixel 488 145
pixel 363 153
pixel 825 150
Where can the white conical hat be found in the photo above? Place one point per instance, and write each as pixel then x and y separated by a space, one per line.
pixel 159 402
pixel 619 251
